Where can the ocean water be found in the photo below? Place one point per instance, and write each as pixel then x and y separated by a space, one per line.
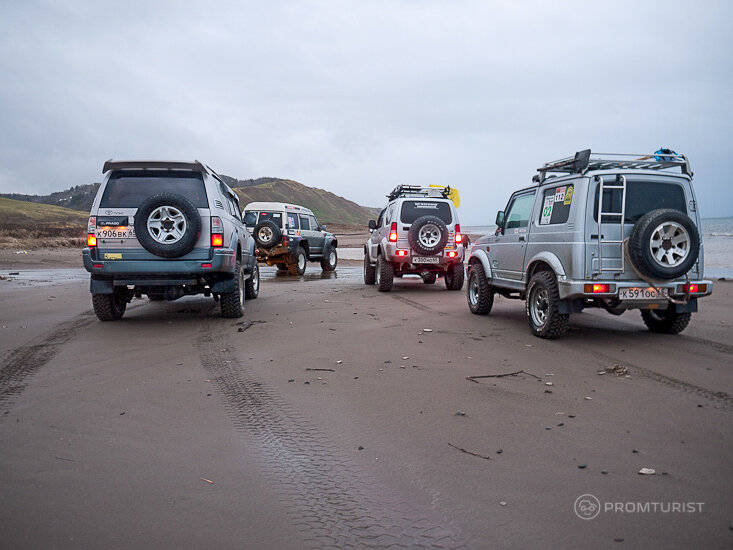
pixel 717 240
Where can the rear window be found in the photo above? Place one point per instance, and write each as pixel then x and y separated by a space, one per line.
pixel 253 218
pixel 412 210
pixel 641 197
pixel 129 188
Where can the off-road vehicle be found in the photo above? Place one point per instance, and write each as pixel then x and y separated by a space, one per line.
pixel 167 230
pixel 416 233
pixel 288 236
pixel 608 231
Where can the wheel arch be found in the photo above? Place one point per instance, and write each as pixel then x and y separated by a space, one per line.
pixel 480 257
pixel 545 261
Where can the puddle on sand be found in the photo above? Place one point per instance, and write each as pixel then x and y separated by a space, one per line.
pixel 313 272
pixel 39 277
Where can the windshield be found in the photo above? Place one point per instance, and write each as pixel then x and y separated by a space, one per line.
pixel 129 188
pixel 412 210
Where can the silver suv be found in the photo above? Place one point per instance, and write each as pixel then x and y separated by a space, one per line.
pixel 416 233
pixel 562 248
pixel 167 230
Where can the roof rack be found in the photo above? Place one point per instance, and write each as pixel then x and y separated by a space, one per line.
pixel 417 191
pixel 584 161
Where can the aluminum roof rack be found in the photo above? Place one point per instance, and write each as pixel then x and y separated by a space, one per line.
pixel 585 161
pixel 417 191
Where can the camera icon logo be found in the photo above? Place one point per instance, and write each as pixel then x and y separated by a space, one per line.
pixel 587 506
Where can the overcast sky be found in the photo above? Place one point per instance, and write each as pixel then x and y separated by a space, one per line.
pixel 356 97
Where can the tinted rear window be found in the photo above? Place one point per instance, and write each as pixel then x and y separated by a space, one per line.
pixel 412 210
pixel 641 197
pixel 129 188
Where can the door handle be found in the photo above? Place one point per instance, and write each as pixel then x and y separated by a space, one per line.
pixel 521 238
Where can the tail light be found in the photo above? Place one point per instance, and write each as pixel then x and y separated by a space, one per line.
pixel 597 288
pixel 402 253
pixel 217 232
pixel 693 288
pixel 393 232
pixel 452 254
pixel 91 240
pixel 459 237
pixel 284 241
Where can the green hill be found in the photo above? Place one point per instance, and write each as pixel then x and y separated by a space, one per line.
pixel 27 224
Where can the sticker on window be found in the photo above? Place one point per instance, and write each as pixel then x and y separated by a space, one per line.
pixel 568 196
pixel 560 194
pixel 547 209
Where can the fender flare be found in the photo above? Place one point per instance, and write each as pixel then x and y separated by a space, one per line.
pixel 479 255
pixel 550 259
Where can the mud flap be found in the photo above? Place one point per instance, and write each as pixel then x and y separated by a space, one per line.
pixel 689 307
pixel 101 286
pixel 570 306
pixel 223 286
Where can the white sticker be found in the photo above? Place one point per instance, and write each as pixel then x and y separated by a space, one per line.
pixel 547 210
pixel 560 194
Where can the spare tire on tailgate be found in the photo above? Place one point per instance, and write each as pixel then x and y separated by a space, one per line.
pixel 428 235
pixel 167 225
pixel 664 244
pixel 267 234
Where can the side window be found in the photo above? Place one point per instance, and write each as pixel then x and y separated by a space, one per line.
pixel 381 218
pixel 234 208
pixel 519 211
pixel 388 214
pixel 250 218
pixel 304 222
pixel 556 203
pixel 314 223
pixel 292 221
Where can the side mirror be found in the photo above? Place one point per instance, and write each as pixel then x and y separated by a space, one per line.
pixel 372 225
pixel 323 228
pixel 499 222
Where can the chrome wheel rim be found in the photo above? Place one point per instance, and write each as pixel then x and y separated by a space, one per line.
pixel 256 278
pixel 167 224
pixel 473 290
pixel 539 306
pixel 301 261
pixel 377 275
pixel 265 234
pixel 332 258
pixel 670 244
pixel 429 235
pixel 241 287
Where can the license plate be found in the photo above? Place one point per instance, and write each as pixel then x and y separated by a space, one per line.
pixel 425 260
pixel 642 293
pixel 115 232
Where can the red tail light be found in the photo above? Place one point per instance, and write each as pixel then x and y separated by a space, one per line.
pixel 452 254
pixel 402 252
pixel 284 241
pixel 459 237
pixel 217 235
pixel 597 288
pixel 206 266
pixel 393 232
pixel 694 288
pixel 91 240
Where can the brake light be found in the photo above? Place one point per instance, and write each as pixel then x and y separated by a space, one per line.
pixel 284 241
pixel 393 232
pixel 597 288
pixel 402 252
pixel 206 266
pixel 459 237
pixel 217 232
pixel 97 266
pixel 452 253
pixel 694 288
pixel 91 240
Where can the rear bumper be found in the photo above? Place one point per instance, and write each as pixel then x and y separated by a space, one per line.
pixel 406 261
pixel 220 261
pixel 571 289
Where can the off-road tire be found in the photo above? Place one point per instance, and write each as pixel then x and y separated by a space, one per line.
pixel 252 285
pixel 542 289
pixel 370 272
pixel 109 307
pixel 232 303
pixel 193 225
pixel 326 264
pixel 666 321
pixel 294 268
pixel 454 276
pixel 479 293
pixel 274 230
pixel 385 274
pixel 641 239
pixel 413 235
pixel 429 278
pixel 281 266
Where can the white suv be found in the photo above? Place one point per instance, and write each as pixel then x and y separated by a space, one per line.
pixel 417 233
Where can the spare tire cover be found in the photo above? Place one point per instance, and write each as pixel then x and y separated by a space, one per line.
pixel 267 234
pixel 428 235
pixel 167 225
pixel 664 244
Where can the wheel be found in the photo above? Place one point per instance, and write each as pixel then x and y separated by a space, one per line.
pixel 428 235
pixel 267 234
pixel 429 278
pixel 666 321
pixel 298 268
pixel 252 285
pixel 479 293
pixel 109 307
pixel 454 276
pixel 542 305
pixel 385 274
pixel 329 259
pixel 232 303
pixel 281 266
pixel 167 225
pixel 664 244
pixel 370 273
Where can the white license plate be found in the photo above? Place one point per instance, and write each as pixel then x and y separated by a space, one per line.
pixel 115 232
pixel 425 260
pixel 642 293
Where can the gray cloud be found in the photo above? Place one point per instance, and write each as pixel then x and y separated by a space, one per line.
pixel 355 97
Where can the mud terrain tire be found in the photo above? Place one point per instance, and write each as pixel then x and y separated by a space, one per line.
pixel 252 285
pixel 370 272
pixel 542 303
pixel 171 213
pixel 298 267
pixel 479 293
pixel 428 235
pixel 329 259
pixel 232 303
pixel 109 307
pixel 454 277
pixel 665 321
pixel 385 274
pixel 267 234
